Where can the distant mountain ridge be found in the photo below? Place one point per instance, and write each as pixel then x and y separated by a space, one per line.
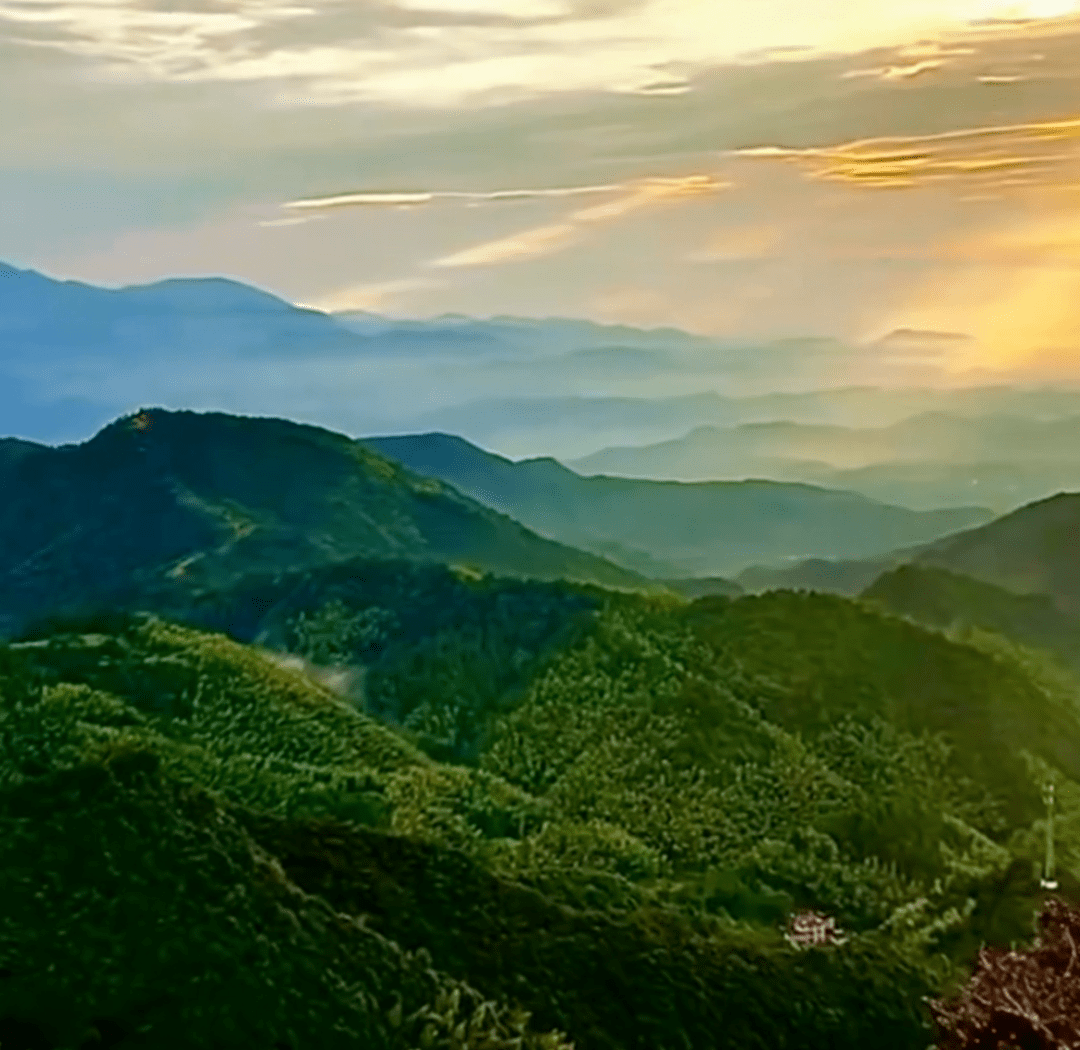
pixel 519 425
pixel 697 529
pixel 928 436
pixel 45 316
pixel 545 336
pixel 1033 551
pixel 176 498
pixel 74 356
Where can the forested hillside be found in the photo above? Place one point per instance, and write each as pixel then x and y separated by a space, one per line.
pixel 951 601
pixel 707 528
pixel 407 806
pixel 202 498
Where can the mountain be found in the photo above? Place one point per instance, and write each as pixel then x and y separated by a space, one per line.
pixel 12 450
pixel 945 599
pixel 46 320
pixel 920 343
pixel 1030 553
pixel 571 427
pixel 252 861
pixel 1033 550
pixel 823 575
pixel 696 529
pixel 924 485
pixel 164 497
pixel 515 337
pixel 937 437
pixel 696 587
pixel 73 355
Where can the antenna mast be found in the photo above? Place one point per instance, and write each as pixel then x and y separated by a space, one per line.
pixel 1048 882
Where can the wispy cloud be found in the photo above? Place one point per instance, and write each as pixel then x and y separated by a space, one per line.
pixel 1044 152
pixel 897 72
pixel 553 237
pixel 296 220
pixel 379 198
pixel 376 297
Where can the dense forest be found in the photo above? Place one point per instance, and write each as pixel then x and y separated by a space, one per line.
pixel 393 804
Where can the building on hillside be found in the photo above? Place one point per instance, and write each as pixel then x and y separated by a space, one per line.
pixel 809 928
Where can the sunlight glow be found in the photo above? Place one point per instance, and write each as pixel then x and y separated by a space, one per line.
pixel 1025 9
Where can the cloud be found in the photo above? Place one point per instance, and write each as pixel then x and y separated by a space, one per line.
pixel 377 297
pixel 550 238
pixel 433 53
pixel 516 9
pixel 1043 152
pixel 131 38
pixel 407 199
pixel 296 220
pixel 897 72
pixel 540 240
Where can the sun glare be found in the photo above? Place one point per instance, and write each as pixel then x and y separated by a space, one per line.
pixel 1022 9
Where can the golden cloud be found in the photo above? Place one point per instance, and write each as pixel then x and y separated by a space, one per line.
pixel 1042 152
pixel 375 297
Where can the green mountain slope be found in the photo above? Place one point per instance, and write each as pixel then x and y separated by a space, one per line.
pixel 696 529
pixel 203 497
pixel 1033 550
pixel 12 450
pixel 140 912
pixel 210 825
pixel 833 659
pixel 948 600
pixel 424 797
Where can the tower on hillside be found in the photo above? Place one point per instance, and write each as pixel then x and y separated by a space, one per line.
pixel 1048 882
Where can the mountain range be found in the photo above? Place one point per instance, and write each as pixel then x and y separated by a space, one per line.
pixel 180 497
pixel 934 437
pixel 1031 551
pixel 74 356
pixel 670 529
pixel 571 427
pixel 952 602
pixel 283 763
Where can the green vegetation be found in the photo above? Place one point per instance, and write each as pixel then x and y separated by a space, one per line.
pixel 668 529
pixel 181 500
pixel 1030 551
pixel 526 809
pixel 949 601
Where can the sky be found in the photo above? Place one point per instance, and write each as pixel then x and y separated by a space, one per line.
pixel 775 170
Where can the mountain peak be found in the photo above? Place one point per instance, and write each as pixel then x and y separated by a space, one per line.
pixel 207 293
pixel 164 498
